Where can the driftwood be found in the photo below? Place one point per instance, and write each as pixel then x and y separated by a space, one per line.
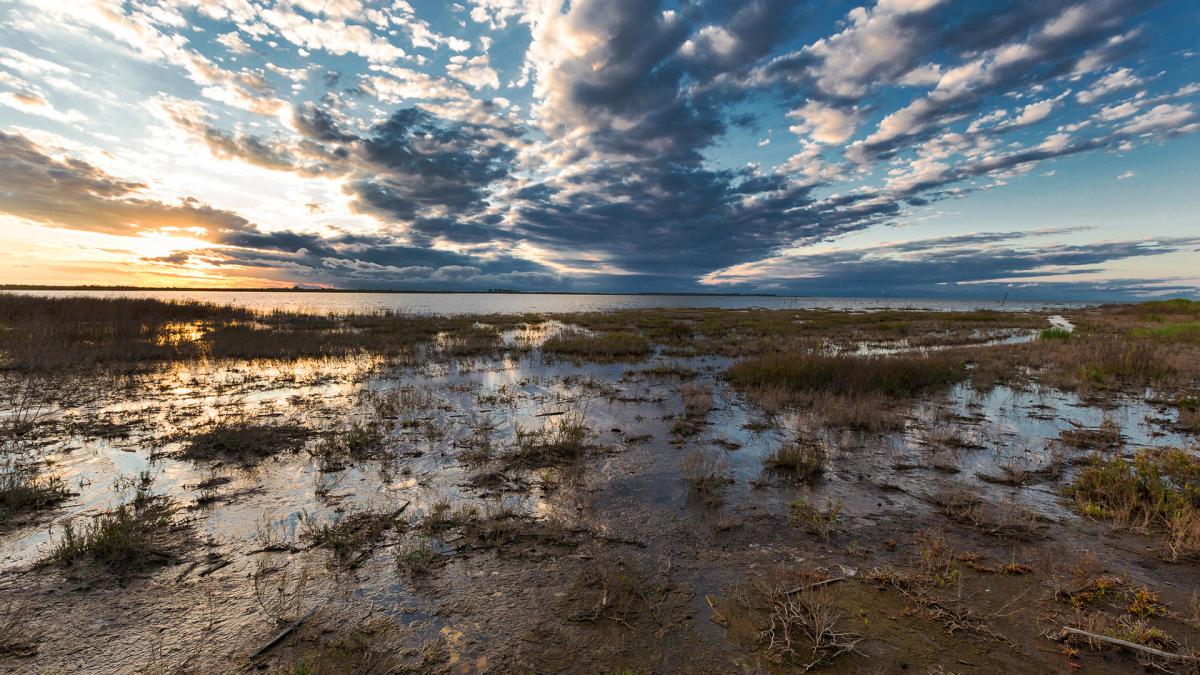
pixel 1133 646
pixel 283 634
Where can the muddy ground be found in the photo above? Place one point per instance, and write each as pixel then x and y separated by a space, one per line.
pixel 507 509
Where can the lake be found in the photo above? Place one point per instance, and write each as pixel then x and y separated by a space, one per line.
pixel 517 303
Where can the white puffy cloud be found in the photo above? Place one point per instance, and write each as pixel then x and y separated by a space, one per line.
pixel 475 71
pixel 824 123
pixel 1163 118
pixel 1122 78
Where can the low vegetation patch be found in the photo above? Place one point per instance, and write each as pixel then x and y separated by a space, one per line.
pixel 133 534
pixel 23 489
pixel 707 471
pixel 351 537
pixel 804 457
pixel 818 519
pixel 1104 437
pixel 242 439
pixel 1159 489
pixel 1055 333
pixel 846 375
pixel 561 438
pixel 1188 331
pixel 355 442
pixel 792 616
pixel 617 344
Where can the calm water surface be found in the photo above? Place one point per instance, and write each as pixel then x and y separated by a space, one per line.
pixel 506 303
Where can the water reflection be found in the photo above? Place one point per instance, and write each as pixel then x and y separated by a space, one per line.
pixel 514 303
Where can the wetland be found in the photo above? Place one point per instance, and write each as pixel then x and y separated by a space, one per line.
pixel 196 487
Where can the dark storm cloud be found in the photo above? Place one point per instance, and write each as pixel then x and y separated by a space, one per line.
pixel 617 163
pixel 316 123
pixel 687 221
pixel 652 207
pixel 419 160
pixel 1053 49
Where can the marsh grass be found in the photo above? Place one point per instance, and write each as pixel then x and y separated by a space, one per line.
pixel 707 471
pixel 1006 519
pixel 611 345
pixel 1107 436
pixel 687 331
pixel 355 442
pixel 53 334
pixel 417 557
pixel 352 536
pixel 1055 333
pixel 1188 331
pixel 560 439
pixel 818 519
pixel 17 636
pixel 876 413
pixel 132 535
pixel 804 457
pixel 24 489
pixel 697 400
pixel 1159 490
pixel 472 340
pixel 362 651
pixel 848 375
pixel 793 621
pixel 240 438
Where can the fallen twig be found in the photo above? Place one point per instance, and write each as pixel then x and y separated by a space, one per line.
pixel 209 570
pixel 808 587
pixel 1066 631
pixel 283 634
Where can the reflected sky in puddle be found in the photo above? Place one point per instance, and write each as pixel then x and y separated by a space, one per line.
pixel 450 400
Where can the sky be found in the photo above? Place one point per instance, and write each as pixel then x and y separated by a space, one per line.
pixel 905 148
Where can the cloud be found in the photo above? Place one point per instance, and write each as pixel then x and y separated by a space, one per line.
pixel 1165 118
pixel 73 194
pixel 1052 49
pixel 627 148
pixel 971 264
pixel 1122 78
pixel 475 71
pixel 822 123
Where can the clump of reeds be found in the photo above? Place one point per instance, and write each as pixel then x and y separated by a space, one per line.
pixel 847 374
pixel 238 437
pixel 1159 490
pixel 23 489
pixel 802 456
pixel 616 344
pixel 130 535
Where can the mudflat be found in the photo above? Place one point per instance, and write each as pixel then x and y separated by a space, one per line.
pixel 191 487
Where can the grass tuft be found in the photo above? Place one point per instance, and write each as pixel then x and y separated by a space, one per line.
pixel 1159 489
pixel 131 535
pixel 804 457
pixel 23 490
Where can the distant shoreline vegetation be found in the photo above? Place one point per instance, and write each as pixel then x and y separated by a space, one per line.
pixel 1003 300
